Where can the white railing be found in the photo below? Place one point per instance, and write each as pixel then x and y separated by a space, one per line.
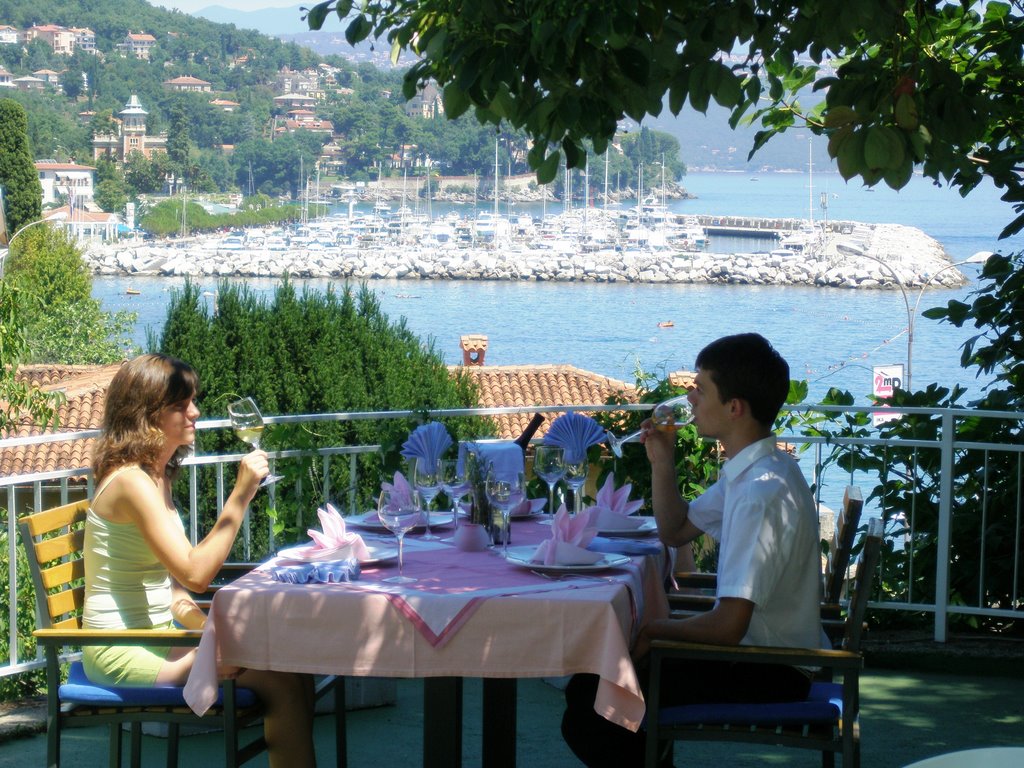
pixel 33 492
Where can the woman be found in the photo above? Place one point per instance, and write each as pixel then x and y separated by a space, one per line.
pixel 139 562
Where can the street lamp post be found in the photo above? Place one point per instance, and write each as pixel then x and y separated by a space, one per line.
pixel 911 312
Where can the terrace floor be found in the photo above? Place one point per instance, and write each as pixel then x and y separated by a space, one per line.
pixel 907 715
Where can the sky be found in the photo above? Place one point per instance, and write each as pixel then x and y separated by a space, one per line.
pixel 190 6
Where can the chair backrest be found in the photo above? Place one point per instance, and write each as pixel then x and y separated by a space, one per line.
pixel 842 544
pixel 53 541
pixel 866 565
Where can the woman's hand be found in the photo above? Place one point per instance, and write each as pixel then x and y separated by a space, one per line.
pixel 251 470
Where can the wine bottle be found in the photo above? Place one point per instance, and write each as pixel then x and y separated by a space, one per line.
pixel 524 439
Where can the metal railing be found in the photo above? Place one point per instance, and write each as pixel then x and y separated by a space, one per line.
pixel 33 492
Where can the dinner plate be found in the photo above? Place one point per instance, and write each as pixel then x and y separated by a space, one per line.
pixel 521 556
pixel 371 522
pixel 649 526
pixel 307 554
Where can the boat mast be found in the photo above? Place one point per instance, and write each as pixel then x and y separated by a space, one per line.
pixel 606 180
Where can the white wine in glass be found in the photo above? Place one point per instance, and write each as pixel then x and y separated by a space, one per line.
pixel 674 413
pixel 247 422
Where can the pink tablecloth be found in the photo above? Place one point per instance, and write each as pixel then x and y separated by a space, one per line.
pixel 498 621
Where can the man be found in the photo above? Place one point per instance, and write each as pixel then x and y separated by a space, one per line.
pixel 769 570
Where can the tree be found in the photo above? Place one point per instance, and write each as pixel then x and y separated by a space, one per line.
pixel 910 84
pixel 61 321
pixel 17 397
pixel 22 193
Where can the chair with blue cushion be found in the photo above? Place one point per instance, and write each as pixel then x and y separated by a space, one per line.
pixel 53 541
pixel 827 721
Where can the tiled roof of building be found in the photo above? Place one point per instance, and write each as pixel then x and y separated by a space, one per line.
pixel 524 385
pixel 85 389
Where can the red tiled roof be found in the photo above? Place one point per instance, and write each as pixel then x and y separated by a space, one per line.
pixel 85 389
pixel 523 385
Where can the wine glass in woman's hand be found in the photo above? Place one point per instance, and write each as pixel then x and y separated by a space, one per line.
pixel 247 421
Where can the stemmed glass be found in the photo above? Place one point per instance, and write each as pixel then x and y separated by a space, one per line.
pixel 674 413
pixel 399 512
pixel 575 476
pixel 505 490
pixel 549 466
pixel 247 421
pixel 455 482
pixel 426 477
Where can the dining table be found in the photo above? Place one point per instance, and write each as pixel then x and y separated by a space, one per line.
pixel 469 614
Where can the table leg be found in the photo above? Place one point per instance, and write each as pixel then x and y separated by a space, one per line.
pixel 442 722
pixel 499 726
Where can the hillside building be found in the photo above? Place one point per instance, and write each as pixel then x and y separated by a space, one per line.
pixel 188 84
pixel 70 180
pixel 132 136
pixel 61 39
pixel 138 44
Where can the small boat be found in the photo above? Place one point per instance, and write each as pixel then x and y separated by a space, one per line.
pixel 666 324
pixel 132 291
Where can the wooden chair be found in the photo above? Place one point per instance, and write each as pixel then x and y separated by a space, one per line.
pixel 53 540
pixel 827 721
pixel 697 590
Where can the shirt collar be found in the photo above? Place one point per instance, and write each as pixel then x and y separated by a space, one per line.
pixel 737 465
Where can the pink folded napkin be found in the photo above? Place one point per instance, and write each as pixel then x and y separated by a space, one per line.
pixel 335 537
pixel 400 489
pixel 612 509
pixel 568 542
pixel 527 507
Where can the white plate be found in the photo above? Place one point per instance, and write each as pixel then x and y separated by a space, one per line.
pixel 306 554
pixel 649 526
pixel 521 556
pixel 371 522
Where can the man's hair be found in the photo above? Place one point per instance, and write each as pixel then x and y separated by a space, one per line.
pixel 746 366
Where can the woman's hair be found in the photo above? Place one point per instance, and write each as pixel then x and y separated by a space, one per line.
pixel 137 395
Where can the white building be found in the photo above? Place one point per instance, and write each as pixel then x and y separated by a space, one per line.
pixel 73 182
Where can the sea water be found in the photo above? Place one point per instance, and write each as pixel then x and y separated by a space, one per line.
pixel 831 337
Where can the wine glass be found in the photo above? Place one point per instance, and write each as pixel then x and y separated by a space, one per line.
pixel 399 512
pixel 575 476
pixel 549 466
pixel 455 482
pixel 505 490
pixel 247 421
pixel 674 413
pixel 426 478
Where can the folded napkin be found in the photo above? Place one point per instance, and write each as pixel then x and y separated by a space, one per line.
pixel 527 507
pixel 504 456
pixel 335 537
pixel 427 442
pixel 400 489
pixel 568 543
pixel 612 508
pixel 324 572
pixel 575 433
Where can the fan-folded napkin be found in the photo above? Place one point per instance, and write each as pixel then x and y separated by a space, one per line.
pixel 612 508
pixel 568 543
pixel 401 491
pixel 575 433
pixel 427 442
pixel 527 507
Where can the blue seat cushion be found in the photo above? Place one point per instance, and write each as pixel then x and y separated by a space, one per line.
pixel 823 705
pixel 79 689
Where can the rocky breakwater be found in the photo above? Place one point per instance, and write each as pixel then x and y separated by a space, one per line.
pixel 882 256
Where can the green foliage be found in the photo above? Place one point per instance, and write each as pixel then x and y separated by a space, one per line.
pixel 22 194
pixel 17 397
pixel 165 218
pixel 934 86
pixel 60 320
pixel 311 353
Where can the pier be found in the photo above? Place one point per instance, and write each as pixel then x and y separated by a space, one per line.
pixel 753 226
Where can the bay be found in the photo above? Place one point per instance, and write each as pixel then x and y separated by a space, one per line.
pixel 831 337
